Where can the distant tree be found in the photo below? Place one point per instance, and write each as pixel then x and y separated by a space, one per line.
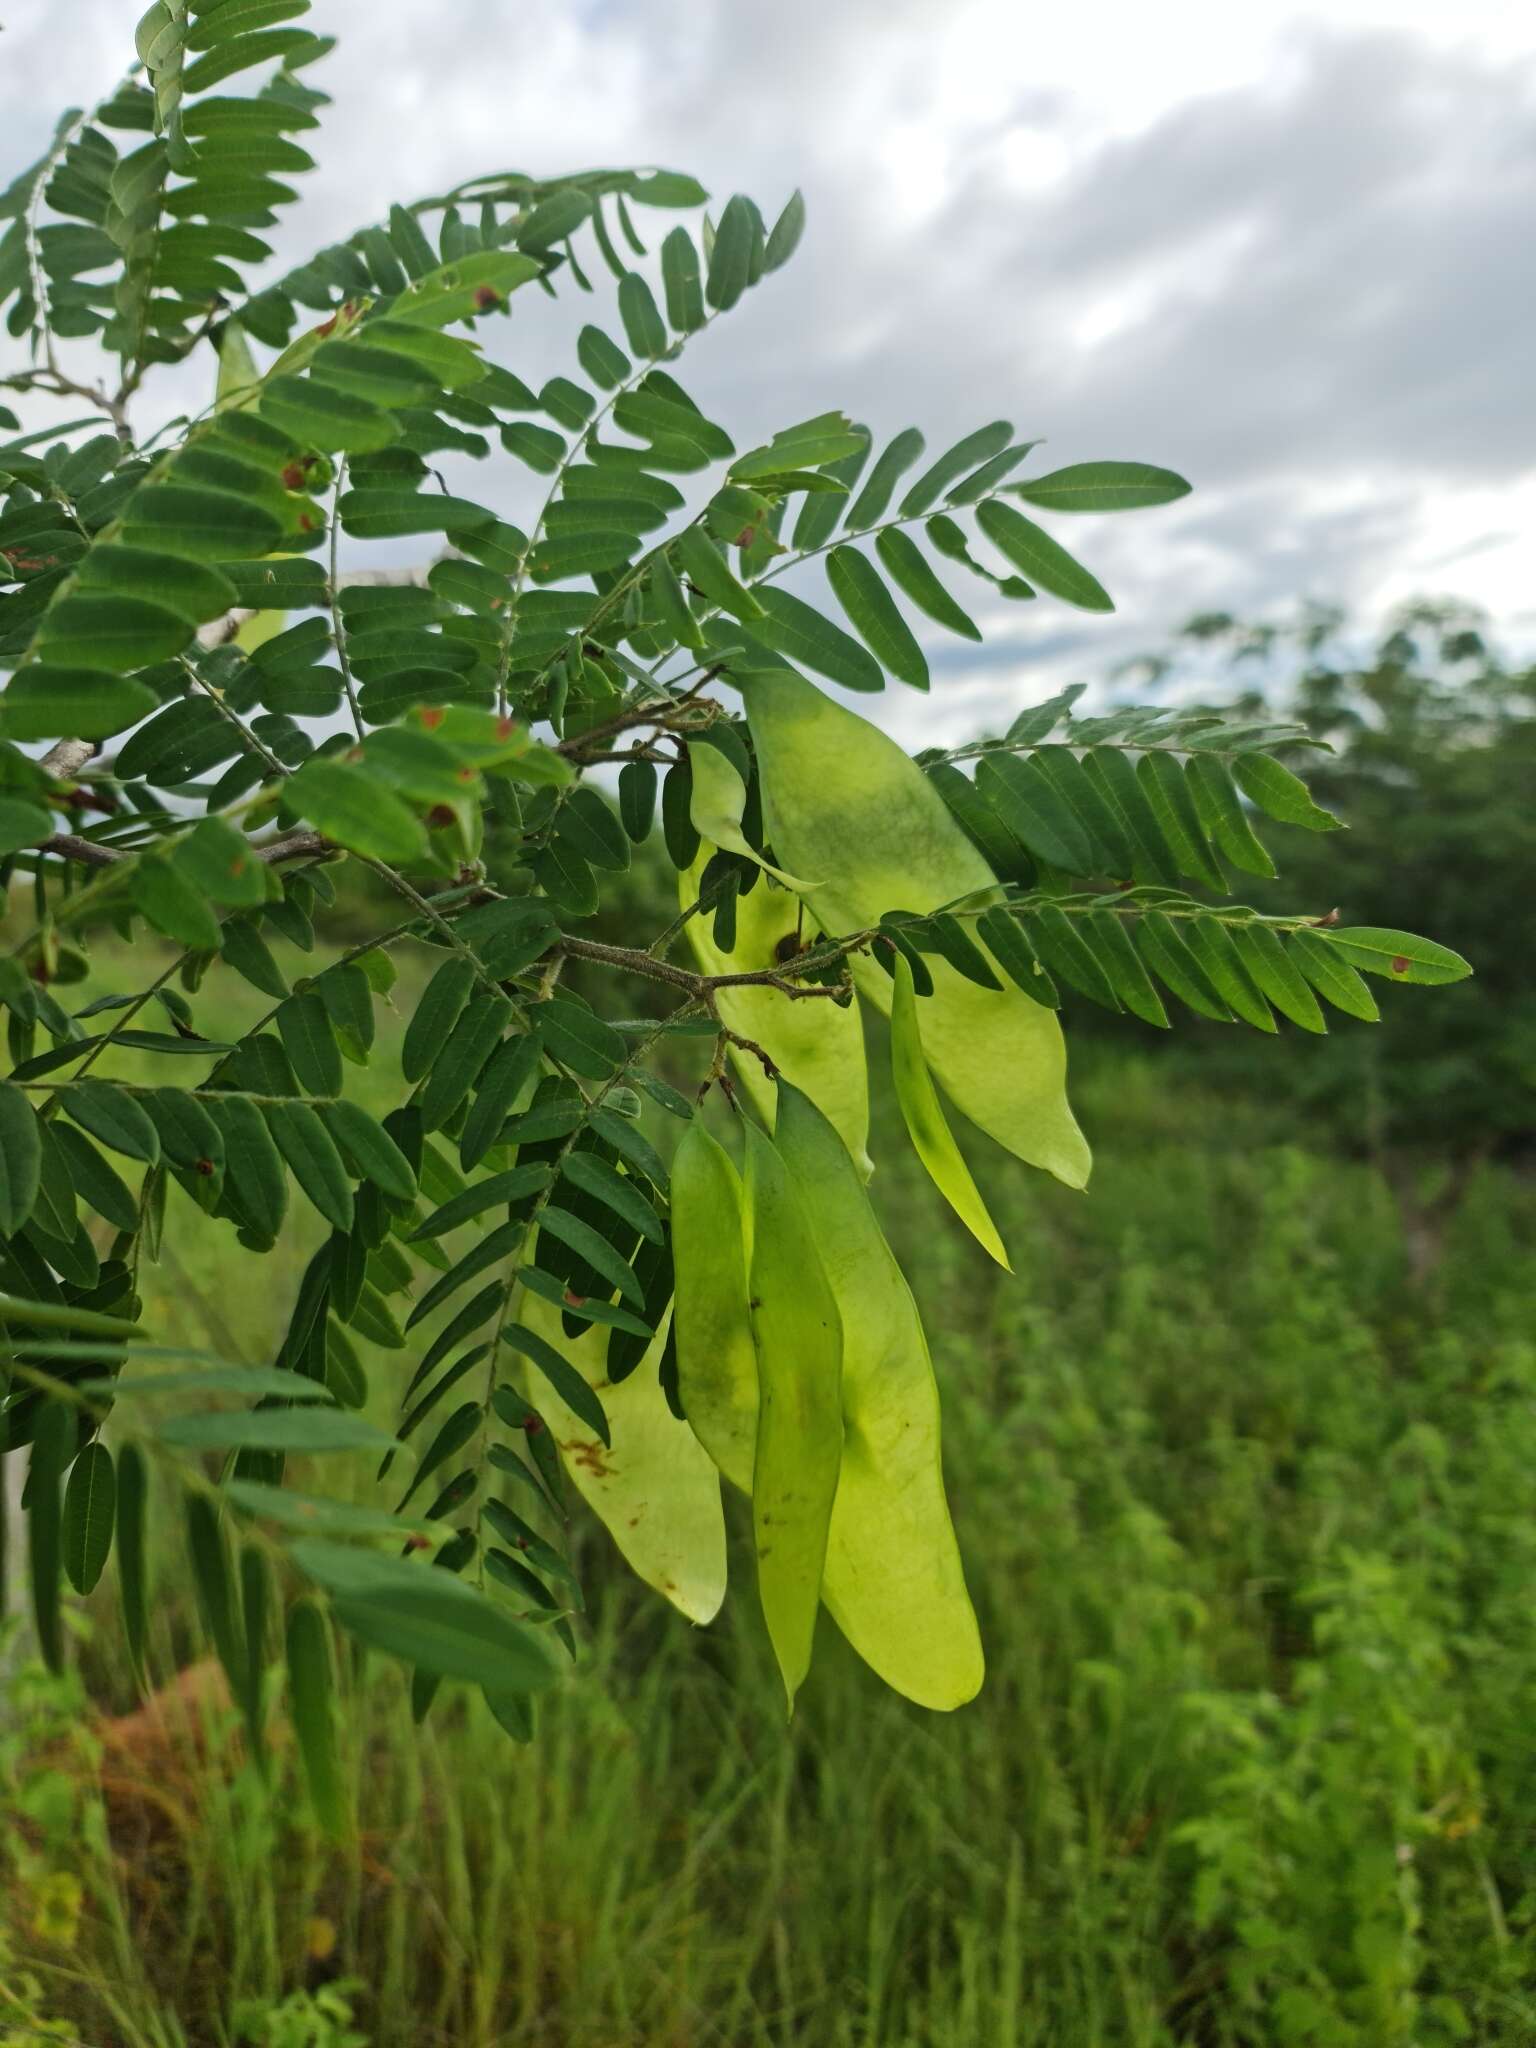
pixel 1433 731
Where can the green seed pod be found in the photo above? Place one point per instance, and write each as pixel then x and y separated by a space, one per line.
pixel 878 836
pixel 653 1487
pixel 817 1043
pixel 716 1360
pixel 932 1139
pixel 718 805
pixel 799 1448
pixel 893 1581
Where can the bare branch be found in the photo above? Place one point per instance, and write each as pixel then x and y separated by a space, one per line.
pixel 705 986
pixel 91 853
pixel 70 846
pixel 66 758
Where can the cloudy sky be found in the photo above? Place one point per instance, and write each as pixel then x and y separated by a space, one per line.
pixel 1284 250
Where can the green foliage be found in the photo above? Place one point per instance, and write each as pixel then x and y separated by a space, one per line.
pixel 281 723
pixel 1433 732
pixel 1255 1771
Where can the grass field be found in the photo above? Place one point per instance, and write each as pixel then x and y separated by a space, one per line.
pixel 1249 1518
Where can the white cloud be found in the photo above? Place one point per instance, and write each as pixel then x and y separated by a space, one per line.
pixel 1279 248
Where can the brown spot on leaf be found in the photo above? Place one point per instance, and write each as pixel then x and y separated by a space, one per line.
pixel 486 296
pixel 1399 965
pixel 590 1456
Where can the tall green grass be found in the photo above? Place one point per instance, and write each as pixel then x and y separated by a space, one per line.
pixel 1249 1518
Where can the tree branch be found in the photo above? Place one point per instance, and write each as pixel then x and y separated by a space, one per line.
pixel 91 853
pixel 704 986
pixel 66 758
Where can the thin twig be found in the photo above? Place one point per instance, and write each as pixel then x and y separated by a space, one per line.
pixel 703 986
pixel 338 633
pixel 92 853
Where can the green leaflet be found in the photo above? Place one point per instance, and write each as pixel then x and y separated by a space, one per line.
pixel 312 1157
pixel 309 1429
pixel 51 1442
pixel 798 1335
pixel 370 1151
pixel 427 1617
pixel 253 1166
pixel 1102 487
pixel 439 1009
pixel 908 567
pixel 1043 560
pixel 816 1043
pixel 717 804
pixel 311 1694
pixel 619 1192
pixel 884 833
pixel 563 1377
pixel 114 1117
pixel 310 1043
pixel 655 1489
pixel 95 1182
pixel 954 463
pixel 21 1159
pixel 931 1136
pixel 894 1582
pixel 355 809
pixel 874 616
pixel 716 1360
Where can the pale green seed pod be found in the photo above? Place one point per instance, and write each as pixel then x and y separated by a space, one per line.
pixel 921 1110
pixel 799 1447
pixel 892 1577
pixel 845 805
pixel 653 1487
pixel 716 1359
pixel 817 1043
pixel 893 1580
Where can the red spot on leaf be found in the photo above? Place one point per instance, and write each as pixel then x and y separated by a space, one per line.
pixel 326 326
pixel 486 296
pixel 1399 965
pixel 533 1425
pixel 505 727
pixel 205 1168
pixel 431 717
pixel 441 815
pixel 293 477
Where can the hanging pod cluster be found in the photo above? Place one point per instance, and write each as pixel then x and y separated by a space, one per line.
pixel 804 1373
pixel 875 840
pixel 805 1379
